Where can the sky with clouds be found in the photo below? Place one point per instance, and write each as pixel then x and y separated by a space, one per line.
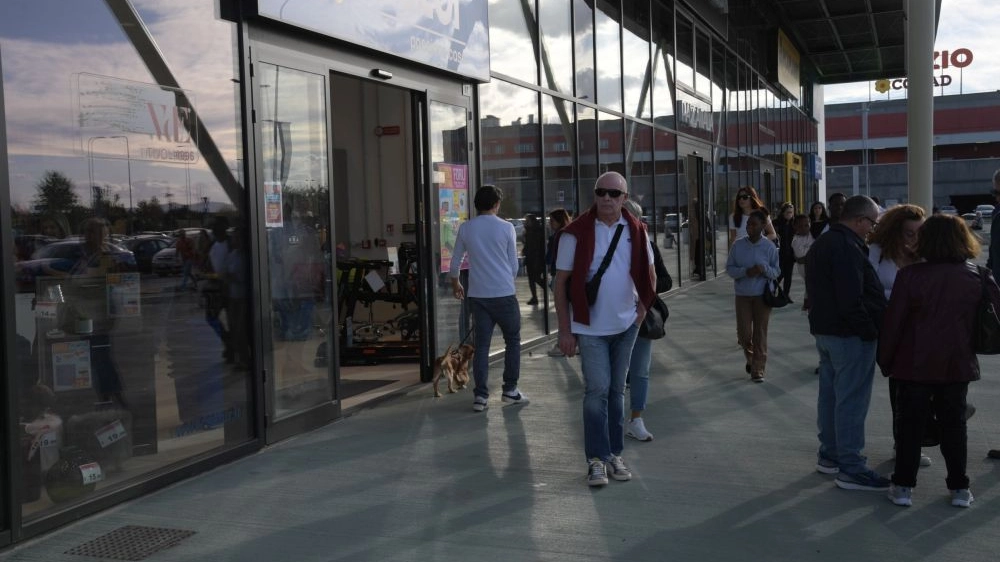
pixel 968 24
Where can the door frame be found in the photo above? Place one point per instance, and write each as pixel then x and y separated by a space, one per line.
pixel 688 151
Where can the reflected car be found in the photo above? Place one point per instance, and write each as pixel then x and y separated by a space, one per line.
pixel 518 227
pixel 985 211
pixel 144 247
pixel 167 261
pixel 948 210
pixel 58 258
pixel 973 220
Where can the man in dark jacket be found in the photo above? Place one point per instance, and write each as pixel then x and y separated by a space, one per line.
pixel 847 302
pixel 993 261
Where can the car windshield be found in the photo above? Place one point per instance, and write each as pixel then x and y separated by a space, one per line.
pixel 61 250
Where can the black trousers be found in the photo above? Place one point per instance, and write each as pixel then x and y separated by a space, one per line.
pixel 914 401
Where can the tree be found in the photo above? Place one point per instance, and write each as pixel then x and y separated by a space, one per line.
pixel 55 194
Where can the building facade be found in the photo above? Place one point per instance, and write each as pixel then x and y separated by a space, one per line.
pixel 229 222
pixel 866 146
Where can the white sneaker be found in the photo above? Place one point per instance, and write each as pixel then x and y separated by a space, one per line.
pixel 514 397
pixel 617 469
pixel 597 474
pixel 636 429
pixel 925 460
pixel 479 404
pixel 556 352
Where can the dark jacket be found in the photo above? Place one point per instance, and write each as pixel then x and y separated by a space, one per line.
pixel 927 334
pixel 845 296
pixel 785 230
pixel 993 261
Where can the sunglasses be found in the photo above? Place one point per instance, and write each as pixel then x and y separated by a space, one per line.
pixel 612 193
pixel 743 196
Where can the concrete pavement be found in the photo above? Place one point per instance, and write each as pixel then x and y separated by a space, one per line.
pixel 729 476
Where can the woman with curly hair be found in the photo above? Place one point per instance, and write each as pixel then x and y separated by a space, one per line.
pixel 818 219
pixel 747 202
pixel 925 345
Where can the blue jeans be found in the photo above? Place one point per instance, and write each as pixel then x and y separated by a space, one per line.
pixel 846 370
pixel 487 314
pixel 638 373
pixel 605 362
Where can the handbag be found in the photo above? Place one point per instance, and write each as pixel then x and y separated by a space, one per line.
pixel 986 331
pixel 654 326
pixel 774 296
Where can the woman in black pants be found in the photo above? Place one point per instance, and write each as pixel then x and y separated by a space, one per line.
pixel 784 226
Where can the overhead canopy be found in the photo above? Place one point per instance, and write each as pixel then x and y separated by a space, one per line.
pixel 848 40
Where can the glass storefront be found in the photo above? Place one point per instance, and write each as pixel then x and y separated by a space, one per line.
pixel 128 218
pixel 139 331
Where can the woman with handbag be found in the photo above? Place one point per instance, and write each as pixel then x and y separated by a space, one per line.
pixel 926 345
pixel 753 263
pixel 891 247
pixel 637 378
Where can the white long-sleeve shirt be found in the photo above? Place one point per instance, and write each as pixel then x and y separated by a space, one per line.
pixel 492 248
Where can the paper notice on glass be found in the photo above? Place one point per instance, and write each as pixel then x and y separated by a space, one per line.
pixel 272 204
pixel 123 294
pixel 70 365
pixel 374 281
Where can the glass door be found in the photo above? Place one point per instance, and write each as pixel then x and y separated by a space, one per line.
pixel 293 197
pixel 450 188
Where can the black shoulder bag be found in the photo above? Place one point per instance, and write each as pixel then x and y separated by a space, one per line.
pixel 595 282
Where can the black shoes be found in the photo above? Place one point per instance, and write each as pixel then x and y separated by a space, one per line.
pixel 532 302
pixel 993 453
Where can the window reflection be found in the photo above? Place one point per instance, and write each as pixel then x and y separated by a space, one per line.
pixel 663 63
pixel 607 36
pixel 583 41
pixel 556 24
pixel 636 72
pixel 512 162
pixel 112 188
pixel 511 45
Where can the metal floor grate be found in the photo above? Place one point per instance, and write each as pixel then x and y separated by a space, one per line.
pixel 131 542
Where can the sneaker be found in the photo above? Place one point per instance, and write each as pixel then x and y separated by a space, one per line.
pixel 556 352
pixel 970 411
pixel 757 377
pixel 865 480
pixel 514 397
pixel 479 404
pixel 925 460
pixel 961 498
pixel 636 429
pixel 900 495
pixel 827 466
pixel 597 474
pixel 616 467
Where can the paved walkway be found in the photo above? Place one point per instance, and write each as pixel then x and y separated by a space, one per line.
pixel 729 476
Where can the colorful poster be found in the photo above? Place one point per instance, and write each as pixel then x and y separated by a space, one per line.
pixel 272 204
pixel 71 365
pixel 453 199
pixel 123 294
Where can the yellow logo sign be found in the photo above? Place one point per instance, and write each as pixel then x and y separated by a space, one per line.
pixel 882 86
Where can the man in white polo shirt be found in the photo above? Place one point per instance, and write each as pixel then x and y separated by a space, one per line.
pixel 606 328
pixel 491 246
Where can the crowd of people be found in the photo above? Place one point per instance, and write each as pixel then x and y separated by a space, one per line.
pixel 896 289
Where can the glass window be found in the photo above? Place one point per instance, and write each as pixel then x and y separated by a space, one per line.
pixel 703 64
pixel 685 53
pixel 556 23
pixel 513 112
pixel 610 143
pixel 587 148
pixel 636 71
pixel 559 133
pixel 663 63
pixel 609 57
pixel 639 162
pixel 130 356
pixel 666 206
pixel 583 33
pixel 510 39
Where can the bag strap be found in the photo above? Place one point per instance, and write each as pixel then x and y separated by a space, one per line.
pixel 607 257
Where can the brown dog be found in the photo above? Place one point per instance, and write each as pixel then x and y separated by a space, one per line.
pixel 454 365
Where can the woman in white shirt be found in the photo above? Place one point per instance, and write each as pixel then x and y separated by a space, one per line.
pixel 747 202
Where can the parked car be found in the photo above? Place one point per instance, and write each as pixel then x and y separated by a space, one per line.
pixel 144 247
pixel 518 227
pixel 167 261
pixel 27 244
pixel 948 210
pixel 985 211
pixel 58 258
pixel 974 220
